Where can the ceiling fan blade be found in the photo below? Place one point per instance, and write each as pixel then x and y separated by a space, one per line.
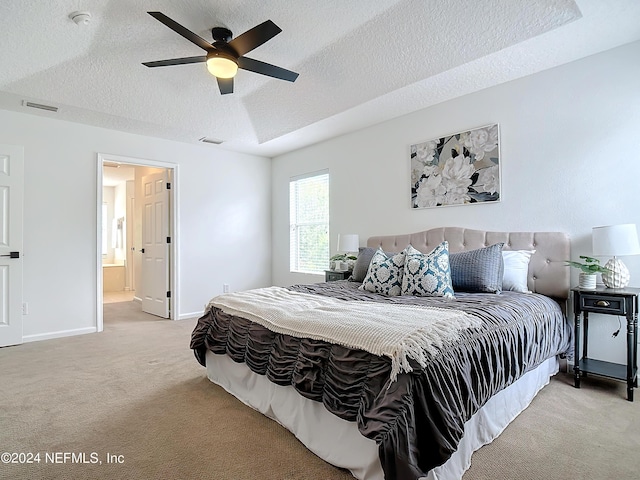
pixel 176 61
pixel 176 27
pixel 225 85
pixel 266 69
pixel 255 37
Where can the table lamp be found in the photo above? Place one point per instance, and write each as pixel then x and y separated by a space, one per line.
pixel 348 243
pixel 615 241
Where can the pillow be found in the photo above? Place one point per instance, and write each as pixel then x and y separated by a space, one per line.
pixel 427 274
pixel 478 270
pixel 516 270
pixel 365 254
pixel 384 275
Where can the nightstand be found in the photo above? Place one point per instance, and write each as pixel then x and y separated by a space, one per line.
pixel 607 301
pixel 333 275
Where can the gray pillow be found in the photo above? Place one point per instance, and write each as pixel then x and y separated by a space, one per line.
pixel 478 270
pixel 365 254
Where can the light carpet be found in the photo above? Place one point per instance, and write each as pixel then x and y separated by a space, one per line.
pixel 134 395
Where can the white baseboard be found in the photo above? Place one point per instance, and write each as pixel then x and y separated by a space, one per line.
pixel 58 334
pixel 186 316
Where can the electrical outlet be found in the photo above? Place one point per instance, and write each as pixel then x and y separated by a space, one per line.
pixel 225 288
pixel 25 308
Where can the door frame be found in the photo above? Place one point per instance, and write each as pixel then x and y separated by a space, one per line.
pixel 173 229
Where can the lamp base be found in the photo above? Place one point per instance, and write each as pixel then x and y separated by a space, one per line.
pixel 618 274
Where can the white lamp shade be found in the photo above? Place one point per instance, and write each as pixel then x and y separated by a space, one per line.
pixel 615 240
pixel 348 242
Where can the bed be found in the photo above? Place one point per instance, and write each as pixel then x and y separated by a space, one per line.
pixel 385 415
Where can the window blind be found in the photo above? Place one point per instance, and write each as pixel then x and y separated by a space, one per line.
pixel 309 223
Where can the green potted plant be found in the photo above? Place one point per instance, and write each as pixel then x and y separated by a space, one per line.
pixel 342 262
pixel 588 270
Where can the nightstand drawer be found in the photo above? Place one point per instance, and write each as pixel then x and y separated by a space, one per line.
pixel 335 275
pixel 603 304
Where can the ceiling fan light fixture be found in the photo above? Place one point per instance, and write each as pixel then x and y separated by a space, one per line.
pixel 221 65
pixel 226 54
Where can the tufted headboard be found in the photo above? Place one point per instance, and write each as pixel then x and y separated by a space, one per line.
pixel 548 274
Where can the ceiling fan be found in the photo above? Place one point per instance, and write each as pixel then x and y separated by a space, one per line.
pixel 224 56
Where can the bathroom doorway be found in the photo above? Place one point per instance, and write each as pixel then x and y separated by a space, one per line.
pixel 118 205
pixel 136 234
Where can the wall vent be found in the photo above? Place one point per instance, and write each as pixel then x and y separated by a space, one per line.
pixel 210 140
pixel 41 106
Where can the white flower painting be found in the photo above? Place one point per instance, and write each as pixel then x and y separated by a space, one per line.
pixel 457 169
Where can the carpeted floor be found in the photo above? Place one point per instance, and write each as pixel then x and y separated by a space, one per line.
pixel 134 400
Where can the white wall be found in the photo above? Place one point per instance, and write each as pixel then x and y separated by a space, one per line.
pixel 570 154
pixel 108 195
pixel 115 199
pixel 120 211
pixel 224 218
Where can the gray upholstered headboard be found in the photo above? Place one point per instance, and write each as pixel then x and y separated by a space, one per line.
pixel 548 274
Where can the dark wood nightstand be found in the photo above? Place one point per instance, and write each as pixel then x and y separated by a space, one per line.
pixel 333 275
pixel 608 301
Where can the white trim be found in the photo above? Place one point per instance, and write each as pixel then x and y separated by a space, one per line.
pixel 174 260
pixel 187 316
pixel 295 178
pixel 59 334
pixel 99 287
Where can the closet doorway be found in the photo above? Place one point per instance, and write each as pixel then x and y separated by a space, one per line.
pixel 136 235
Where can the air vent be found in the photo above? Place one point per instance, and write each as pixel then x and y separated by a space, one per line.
pixel 210 140
pixel 48 108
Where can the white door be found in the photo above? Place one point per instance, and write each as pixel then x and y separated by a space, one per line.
pixel 11 198
pixel 155 233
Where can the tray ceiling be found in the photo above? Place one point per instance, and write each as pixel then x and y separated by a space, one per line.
pixel 360 63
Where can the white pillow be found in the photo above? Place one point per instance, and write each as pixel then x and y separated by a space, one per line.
pixel 516 269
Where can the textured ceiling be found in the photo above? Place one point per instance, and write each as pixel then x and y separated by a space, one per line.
pixel 359 62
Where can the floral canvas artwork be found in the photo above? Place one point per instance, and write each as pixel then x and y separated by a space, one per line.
pixel 456 169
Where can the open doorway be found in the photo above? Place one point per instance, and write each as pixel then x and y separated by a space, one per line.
pixel 118 232
pixel 136 235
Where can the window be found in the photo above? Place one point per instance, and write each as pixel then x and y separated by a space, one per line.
pixel 309 223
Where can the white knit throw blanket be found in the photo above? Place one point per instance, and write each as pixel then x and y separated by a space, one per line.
pixel 399 332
